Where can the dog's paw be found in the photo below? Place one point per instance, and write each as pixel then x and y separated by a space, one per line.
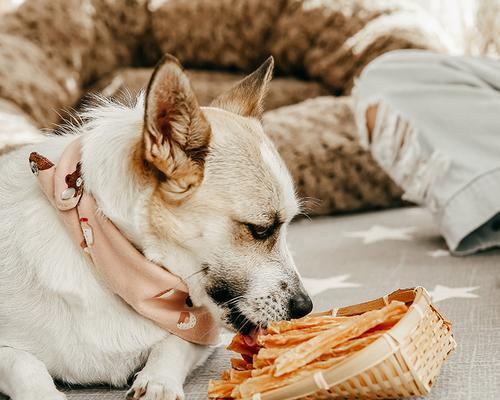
pixel 154 387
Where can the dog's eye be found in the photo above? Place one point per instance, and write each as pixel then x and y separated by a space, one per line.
pixel 261 232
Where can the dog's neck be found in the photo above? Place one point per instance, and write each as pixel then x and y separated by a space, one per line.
pixel 110 138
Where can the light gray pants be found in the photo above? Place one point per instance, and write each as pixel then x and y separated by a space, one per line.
pixel 437 134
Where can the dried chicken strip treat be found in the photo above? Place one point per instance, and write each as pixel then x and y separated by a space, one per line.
pixel 388 324
pixel 306 322
pixel 239 345
pixel 269 369
pixel 239 376
pixel 285 339
pixel 220 389
pixel 349 348
pixel 235 394
pixel 317 328
pixel 261 363
pixel 265 369
pixel 307 351
pixel 355 344
pixel 266 382
pixel 271 353
pixel 294 336
pixel 240 365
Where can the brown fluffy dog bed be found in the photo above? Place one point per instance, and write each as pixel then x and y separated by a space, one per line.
pixel 52 52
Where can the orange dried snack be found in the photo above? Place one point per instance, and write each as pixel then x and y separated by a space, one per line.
pixel 317 346
pixel 285 339
pixel 239 376
pixel 350 347
pixel 355 344
pixel 261 363
pixel 240 364
pixel 306 322
pixel 294 336
pixel 220 389
pixel 386 325
pixel 271 353
pixel 268 369
pixel 293 350
pixel 265 382
pixel 239 345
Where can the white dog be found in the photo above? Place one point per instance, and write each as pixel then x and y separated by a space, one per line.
pixel 201 191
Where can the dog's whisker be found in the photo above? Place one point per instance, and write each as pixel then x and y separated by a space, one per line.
pixel 247 321
pixel 229 302
pixel 232 301
pixel 195 273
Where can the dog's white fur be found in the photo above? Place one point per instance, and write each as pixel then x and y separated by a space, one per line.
pixel 58 320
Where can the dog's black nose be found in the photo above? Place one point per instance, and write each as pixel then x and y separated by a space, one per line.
pixel 300 305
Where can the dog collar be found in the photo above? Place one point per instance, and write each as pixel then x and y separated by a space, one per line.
pixel 149 289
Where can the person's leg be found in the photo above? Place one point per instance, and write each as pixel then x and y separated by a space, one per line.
pixel 371 116
pixel 431 121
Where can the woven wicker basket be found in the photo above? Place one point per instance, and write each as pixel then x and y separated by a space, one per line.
pixel 404 362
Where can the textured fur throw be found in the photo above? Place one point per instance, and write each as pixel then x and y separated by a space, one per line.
pixel 53 51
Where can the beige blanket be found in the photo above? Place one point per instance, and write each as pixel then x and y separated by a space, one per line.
pixel 53 51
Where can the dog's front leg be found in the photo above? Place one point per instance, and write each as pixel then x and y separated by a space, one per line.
pixel 25 377
pixel 168 365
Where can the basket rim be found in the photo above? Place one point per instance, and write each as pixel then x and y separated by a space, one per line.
pixel 417 298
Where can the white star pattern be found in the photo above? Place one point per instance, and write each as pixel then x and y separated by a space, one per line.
pixel 440 293
pixel 378 233
pixel 438 253
pixel 316 286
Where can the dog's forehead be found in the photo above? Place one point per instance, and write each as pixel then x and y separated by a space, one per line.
pixel 243 158
pixel 281 175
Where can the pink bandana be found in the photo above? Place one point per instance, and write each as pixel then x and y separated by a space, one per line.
pixel 148 288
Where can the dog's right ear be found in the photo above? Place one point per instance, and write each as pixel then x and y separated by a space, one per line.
pixel 176 133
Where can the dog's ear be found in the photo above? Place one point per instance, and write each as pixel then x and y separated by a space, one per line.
pixel 247 96
pixel 176 133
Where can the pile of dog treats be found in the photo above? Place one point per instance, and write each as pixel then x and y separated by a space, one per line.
pixel 291 350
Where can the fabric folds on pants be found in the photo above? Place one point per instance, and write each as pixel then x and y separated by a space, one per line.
pixel 437 134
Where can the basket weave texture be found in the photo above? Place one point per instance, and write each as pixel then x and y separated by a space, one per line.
pixel 404 362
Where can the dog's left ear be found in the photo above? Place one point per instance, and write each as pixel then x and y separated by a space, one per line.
pixel 246 98
pixel 176 133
